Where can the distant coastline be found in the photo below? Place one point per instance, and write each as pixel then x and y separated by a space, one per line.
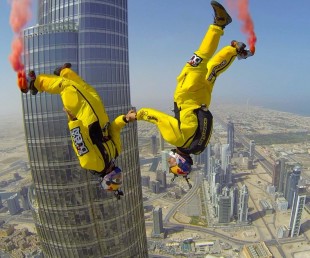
pixel 294 109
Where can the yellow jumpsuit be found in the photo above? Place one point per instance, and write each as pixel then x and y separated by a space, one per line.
pixel 194 88
pixel 84 103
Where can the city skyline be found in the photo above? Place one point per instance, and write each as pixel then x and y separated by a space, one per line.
pixel 262 226
pixel 262 80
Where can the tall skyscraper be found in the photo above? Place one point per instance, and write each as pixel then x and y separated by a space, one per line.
pixel 292 185
pixel 231 136
pixel 161 142
pixel 224 206
pixel 164 163
pixel 161 177
pixel 225 156
pixel 24 198
pixel 158 226
pixel 243 204
pixel 226 168
pixel 297 209
pixel 73 216
pixel 216 179
pixel 13 204
pixel 252 148
pixel 234 194
pixel 278 174
pixel 207 160
pixel 154 145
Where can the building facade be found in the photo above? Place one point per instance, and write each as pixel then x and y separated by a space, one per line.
pixel 154 145
pixel 299 201
pixel 224 206
pixel 252 149
pixel 292 185
pixel 243 204
pixel 73 216
pixel 231 137
pixel 158 225
pixel 278 174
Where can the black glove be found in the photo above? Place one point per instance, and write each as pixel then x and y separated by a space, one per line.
pixel 59 69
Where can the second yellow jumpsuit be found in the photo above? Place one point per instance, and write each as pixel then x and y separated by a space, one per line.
pixel 194 88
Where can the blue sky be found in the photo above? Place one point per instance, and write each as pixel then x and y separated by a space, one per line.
pixel 163 34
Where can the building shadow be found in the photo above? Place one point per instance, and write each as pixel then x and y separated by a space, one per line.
pixel 305 226
pixel 256 215
pixel 174 229
pixel 240 177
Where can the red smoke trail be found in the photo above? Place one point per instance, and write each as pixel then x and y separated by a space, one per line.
pixel 20 15
pixel 248 25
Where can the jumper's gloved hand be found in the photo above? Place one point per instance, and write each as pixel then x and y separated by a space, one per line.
pixel 58 69
pixel 26 82
pixel 131 116
pixel 31 79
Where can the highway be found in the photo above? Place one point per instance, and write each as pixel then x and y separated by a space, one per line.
pixel 186 198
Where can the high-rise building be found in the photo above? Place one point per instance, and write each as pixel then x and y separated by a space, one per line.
pixel 155 186
pixel 161 142
pixel 224 206
pixel 234 194
pixel 217 151
pixel 297 209
pixel 162 178
pixel 231 136
pixel 73 216
pixel 212 167
pixel 158 225
pixel 24 198
pixel 225 191
pixel 292 185
pixel 164 163
pixel 278 174
pixel 13 204
pixel 252 148
pixel 154 146
pixel 215 180
pixel 145 181
pixel 243 204
pixel 225 156
pixel 207 160
pixel 215 194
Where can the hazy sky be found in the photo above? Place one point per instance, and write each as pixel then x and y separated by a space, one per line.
pixel 163 34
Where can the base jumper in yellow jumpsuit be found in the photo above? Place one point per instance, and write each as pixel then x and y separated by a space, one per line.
pixel 96 142
pixel 191 127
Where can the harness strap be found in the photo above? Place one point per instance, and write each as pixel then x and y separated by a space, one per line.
pixel 202 134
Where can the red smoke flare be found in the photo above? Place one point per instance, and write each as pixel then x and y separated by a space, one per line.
pixel 20 15
pixel 248 25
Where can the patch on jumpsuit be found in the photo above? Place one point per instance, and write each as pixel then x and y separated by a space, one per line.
pixel 195 60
